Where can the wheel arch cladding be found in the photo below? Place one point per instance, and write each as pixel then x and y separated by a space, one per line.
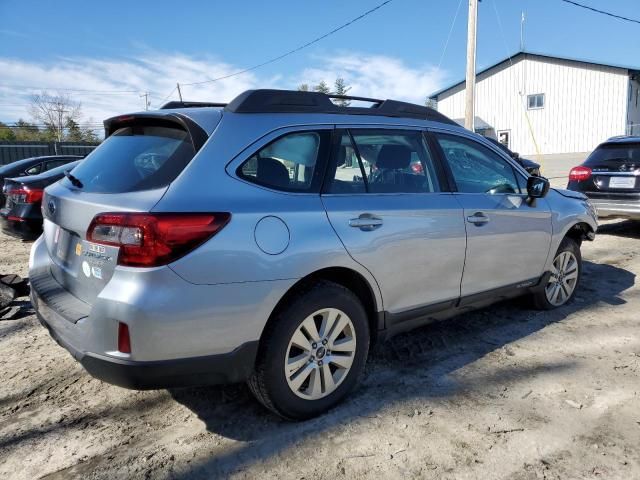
pixel 346 277
pixel 580 231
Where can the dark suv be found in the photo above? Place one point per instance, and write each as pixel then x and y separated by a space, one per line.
pixel 609 177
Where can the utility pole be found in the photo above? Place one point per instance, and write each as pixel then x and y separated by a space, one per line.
pixel 179 92
pixel 469 111
pixel 146 100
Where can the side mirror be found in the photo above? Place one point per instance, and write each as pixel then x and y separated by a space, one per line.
pixel 537 187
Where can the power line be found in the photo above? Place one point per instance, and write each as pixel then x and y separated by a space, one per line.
pixel 295 50
pixel 446 44
pixel 167 96
pixel 587 7
pixel 81 90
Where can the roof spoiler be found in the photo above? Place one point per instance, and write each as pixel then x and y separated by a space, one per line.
pixel 180 104
pixel 197 135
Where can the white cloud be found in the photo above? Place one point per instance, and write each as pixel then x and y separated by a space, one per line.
pixel 157 73
pixel 378 76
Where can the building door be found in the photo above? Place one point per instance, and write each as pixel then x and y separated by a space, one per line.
pixel 504 137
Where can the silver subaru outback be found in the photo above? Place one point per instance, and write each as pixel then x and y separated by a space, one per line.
pixel 273 239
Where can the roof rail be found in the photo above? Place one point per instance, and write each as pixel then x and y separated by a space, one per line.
pixel 180 104
pixel 291 101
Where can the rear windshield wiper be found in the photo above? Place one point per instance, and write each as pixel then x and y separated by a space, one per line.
pixel 74 181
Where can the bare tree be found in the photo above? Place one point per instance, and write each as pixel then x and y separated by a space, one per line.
pixel 55 111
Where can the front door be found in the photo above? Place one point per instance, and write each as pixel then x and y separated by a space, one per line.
pixel 384 199
pixel 508 238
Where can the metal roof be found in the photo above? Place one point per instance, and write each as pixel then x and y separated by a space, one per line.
pixel 543 55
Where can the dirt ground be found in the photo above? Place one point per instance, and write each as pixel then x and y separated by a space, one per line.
pixel 505 392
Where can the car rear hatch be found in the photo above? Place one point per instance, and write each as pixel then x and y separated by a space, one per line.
pixel 7 201
pixel 129 172
pixel 612 171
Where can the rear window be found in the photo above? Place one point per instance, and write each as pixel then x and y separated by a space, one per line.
pixel 622 153
pixel 135 158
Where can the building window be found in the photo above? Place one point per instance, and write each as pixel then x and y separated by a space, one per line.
pixel 535 101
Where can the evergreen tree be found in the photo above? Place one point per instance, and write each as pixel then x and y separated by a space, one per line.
pixel 431 103
pixel 341 88
pixel 322 87
pixel 73 131
pixel 303 87
pixel 89 135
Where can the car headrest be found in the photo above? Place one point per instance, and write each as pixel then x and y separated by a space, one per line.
pixel 395 157
pixel 272 172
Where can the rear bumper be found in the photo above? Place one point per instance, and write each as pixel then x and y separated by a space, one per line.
pixel 235 366
pixel 24 228
pixel 616 208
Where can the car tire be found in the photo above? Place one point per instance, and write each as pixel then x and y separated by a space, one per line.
pixel 297 382
pixel 564 280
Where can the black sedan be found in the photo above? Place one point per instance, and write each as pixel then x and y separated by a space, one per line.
pixel 22 215
pixel 529 165
pixel 610 177
pixel 33 166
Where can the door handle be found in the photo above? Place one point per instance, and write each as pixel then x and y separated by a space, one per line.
pixel 366 222
pixel 478 218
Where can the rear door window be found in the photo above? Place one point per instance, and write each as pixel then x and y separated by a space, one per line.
pixel 54 164
pixel 36 169
pixel 134 158
pixel 383 161
pixel 290 163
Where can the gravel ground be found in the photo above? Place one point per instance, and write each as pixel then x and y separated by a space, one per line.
pixel 505 392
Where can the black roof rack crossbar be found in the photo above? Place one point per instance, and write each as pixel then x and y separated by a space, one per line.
pixel 179 104
pixel 351 97
pixel 292 101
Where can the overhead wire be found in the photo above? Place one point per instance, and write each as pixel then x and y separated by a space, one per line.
pixel 77 90
pixel 603 12
pixel 446 44
pixel 295 50
pixel 240 72
pixel 526 115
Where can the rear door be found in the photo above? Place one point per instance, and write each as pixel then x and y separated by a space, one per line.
pixel 385 198
pixel 508 238
pixel 129 171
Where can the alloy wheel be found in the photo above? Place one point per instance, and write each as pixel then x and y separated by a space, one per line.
pixel 563 280
pixel 320 354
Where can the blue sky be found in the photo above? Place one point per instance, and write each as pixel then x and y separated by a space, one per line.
pixel 394 52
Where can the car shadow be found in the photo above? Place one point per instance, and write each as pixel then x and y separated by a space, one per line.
pixel 623 228
pixel 419 365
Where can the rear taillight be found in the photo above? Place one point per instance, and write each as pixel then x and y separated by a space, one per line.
pixel 124 341
pixel 579 174
pixel 150 240
pixel 25 195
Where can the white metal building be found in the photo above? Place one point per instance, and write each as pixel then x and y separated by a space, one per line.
pixel 547 105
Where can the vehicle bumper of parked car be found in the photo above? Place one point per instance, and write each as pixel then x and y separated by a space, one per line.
pixel 181 334
pixel 20 224
pixel 231 367
pixel 616 208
